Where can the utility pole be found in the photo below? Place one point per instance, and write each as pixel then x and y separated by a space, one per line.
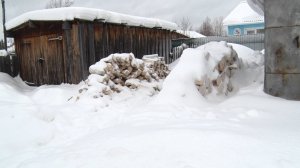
pixel 282 44
pixel 3 21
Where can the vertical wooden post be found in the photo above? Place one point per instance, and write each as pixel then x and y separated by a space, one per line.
pixel 3 21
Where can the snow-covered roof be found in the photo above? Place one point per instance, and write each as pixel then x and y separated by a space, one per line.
pixel 243 14
pixel 89 14
pixel 190 34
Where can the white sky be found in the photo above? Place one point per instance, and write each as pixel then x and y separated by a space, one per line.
pixel 171 10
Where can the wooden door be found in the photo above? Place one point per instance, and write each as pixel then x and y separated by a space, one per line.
pixel 52 59
pixel 41 59
pixel 30 69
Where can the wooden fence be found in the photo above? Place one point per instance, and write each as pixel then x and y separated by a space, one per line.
pixel 9 65
pixel 255 42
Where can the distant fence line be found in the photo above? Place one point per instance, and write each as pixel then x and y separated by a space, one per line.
pixel 9 65
pixel 255 42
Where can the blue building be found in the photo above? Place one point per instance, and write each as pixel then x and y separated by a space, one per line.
pixel 243 20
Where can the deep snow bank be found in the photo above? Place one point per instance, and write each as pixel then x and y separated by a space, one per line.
pixel 28 114
pixel 251 66
pixel 16 108
pixel 216 68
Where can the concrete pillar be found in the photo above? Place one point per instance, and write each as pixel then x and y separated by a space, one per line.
pixel 282 48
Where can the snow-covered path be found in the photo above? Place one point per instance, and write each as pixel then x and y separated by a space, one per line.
pixel 40 128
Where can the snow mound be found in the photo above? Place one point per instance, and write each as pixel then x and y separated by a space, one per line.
pixel 247 56
pixel 14 107
pixel 251 66
pixel 210 69
pixel 177 51
pixel 118 71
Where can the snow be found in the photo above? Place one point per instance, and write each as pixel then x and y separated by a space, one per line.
pixel 190 34
pixel 243 14
pixel 195 64
pixel 200 64
pixel 89 14
pixel 249 56
pixel 41 127
pixel 3 53
pixel 11 49
pixel 10 45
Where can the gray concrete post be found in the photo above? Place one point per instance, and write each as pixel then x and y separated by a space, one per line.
pixel 282 48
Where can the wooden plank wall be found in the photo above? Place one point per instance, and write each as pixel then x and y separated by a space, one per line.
pixel 98 40
pixel 53 64
pixel 28 58
pixel 74 57
pixel 112 38
pixel 41 60
pixel 83 44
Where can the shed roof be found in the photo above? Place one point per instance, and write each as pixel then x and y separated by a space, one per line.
pixel 89 14
pixel 190 34
pixel 243 14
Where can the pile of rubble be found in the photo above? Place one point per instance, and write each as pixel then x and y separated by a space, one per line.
pixel 117 71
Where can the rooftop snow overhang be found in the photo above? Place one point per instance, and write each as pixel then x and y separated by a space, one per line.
pixel 243 14
pixel 233 23
pixel 88 14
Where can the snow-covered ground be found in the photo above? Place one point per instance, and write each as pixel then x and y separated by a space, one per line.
pixel 44 127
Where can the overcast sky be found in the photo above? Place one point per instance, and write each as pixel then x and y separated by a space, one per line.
pixel 171 10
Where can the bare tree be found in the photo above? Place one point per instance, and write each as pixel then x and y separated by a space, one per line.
pixel 218 27
pixel 185 24
pixel 206 27
pixel 212 28
pixel 59 3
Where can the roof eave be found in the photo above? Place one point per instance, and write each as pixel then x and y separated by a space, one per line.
pixel 242 23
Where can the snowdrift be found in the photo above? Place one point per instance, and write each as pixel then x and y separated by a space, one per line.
pixel 214 69
pixel 40 128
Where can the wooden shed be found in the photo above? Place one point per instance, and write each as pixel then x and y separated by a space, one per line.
pixel 58 45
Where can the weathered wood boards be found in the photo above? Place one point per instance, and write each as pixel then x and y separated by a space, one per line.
pixel 61 52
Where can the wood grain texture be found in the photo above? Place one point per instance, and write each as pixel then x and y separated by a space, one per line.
pixel 82 43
